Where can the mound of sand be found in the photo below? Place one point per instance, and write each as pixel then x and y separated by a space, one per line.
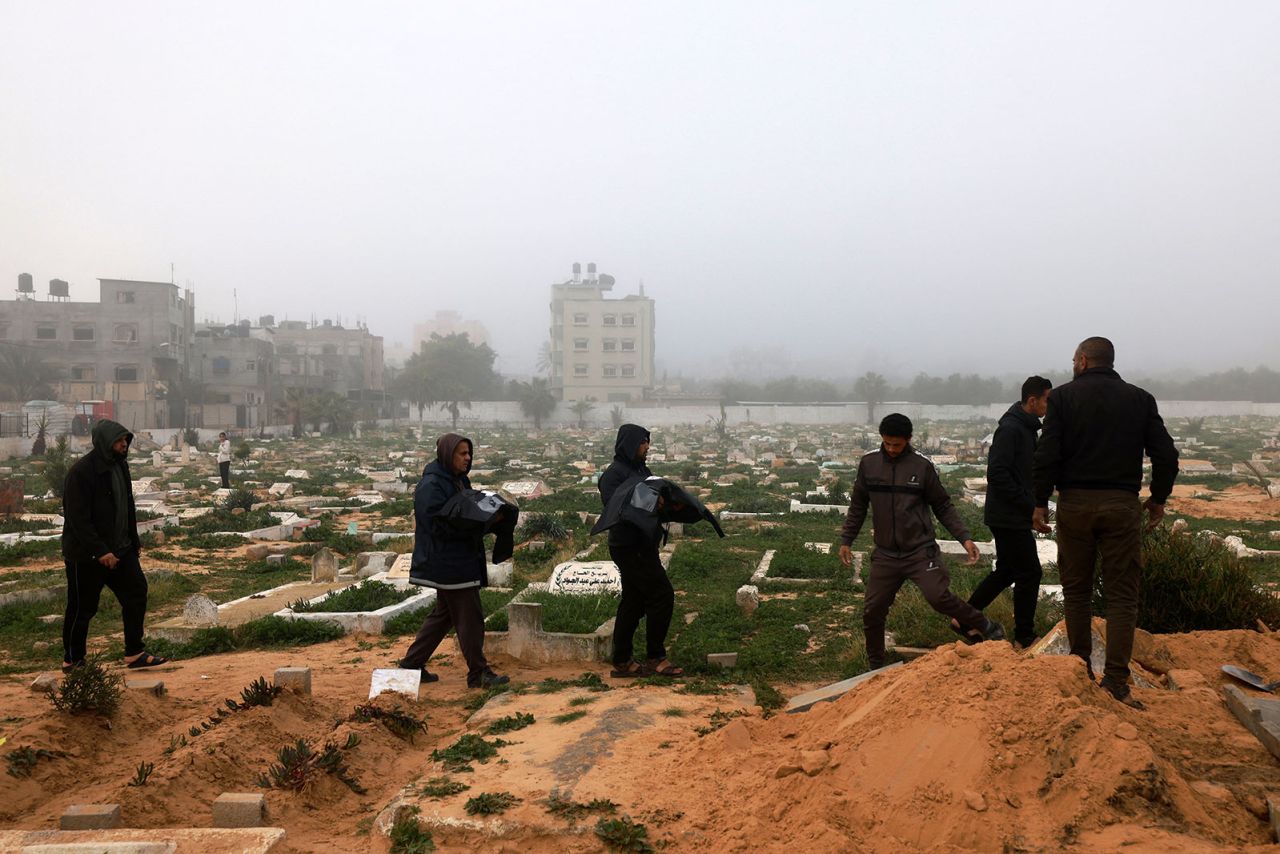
pixel 981 748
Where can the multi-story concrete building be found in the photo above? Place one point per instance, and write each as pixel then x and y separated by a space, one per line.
pixel 233 373
pixel 601 347
pixel 131 347
pixel 449 323
pixel 328 357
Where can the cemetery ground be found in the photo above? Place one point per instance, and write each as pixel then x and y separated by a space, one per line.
pixel 965 747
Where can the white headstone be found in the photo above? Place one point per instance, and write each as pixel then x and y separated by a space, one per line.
pixel 573 578
pixel 499 574
pixel 748 598
pixel 200 611
pixel 280 490
pixel 371 563
pixel 324 566
pixel 399 681
pixel 297 474
pixel 400 568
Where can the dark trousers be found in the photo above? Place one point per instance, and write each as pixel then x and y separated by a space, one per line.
pixel 1017 565
pixel 454 609
pixel 1106 523
pixel 85 580
pixel 927 569
pixel 224 469
pixel 647 593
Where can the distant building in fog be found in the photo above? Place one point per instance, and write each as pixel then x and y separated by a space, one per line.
pixel 449 323
pixel 601 347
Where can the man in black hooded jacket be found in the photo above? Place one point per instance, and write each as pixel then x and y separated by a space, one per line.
pixel 646 591
pixel 1010 504
pixel 100 547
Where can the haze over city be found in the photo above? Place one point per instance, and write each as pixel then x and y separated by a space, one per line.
pixel 821 188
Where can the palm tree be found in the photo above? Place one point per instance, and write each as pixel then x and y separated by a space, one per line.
pixel 581 408
pixel 536 400
pixel 872 388
pixel 25 374
pixel 544 358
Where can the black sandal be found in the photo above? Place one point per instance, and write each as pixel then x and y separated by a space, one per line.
pixel 146 659
pixel 630 670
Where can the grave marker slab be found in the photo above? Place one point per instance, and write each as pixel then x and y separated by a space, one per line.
pixel 294 679
pixel 90 817
pixel 239 809
pixel 400 681
pixel 589 578
pixel 200 611
pixel 809 699
pixel 324 566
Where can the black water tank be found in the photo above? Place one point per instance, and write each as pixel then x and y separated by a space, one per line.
pixel 25 284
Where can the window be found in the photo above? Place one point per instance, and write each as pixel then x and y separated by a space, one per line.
pixel 221 365
pixel 610 370
pixel 250 397
pixel 628 370
pixel 610 344
pixel 83 333
pixel 628 320
pixel 45 332
pixel 580 320
pixel 579 370
pixel 611 320
pixel 83 373
pixel 125 296
pixel 126 373
pixel 580 345
pixel 126 333
pixel 251 365
pixel 628 345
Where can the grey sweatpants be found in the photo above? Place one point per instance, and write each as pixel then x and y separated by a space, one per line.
pixel 927 569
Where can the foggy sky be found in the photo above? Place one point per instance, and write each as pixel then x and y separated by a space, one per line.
pixel 889 186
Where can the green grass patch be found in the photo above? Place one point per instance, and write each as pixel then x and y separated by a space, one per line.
pixel 573 614
pixel 510 723
pixel 368 595
pixel 467 749
pixel 569 717
pixel 263 633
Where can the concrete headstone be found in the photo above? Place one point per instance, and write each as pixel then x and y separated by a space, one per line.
pixel 324 566
pixel 397 680
pixel 200 611
pixel 573 578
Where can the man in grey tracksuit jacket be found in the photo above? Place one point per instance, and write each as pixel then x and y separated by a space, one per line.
pixel 903 492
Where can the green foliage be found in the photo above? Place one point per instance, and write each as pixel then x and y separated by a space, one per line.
pixel 408 836
pixel 1190 583
pixel 334 538
pixel 240 498
pixel 510 723
pixel 536 400
pixel 566 808
pixel 718 720
pixel 299 766
pixel 21 761
pixel 56 462
pixel 490 803
pixel 222 519
pixel 144 771
pixel 15 554
pixel 442 787
pixel 91 687
pixel 264 632
pixel 368 595
pixel 623 834
pixel 575 614
pixel 399 723
pixel 569 717
pixel 590 681
pixel 545 526
pixel 467 749
pixel 259 692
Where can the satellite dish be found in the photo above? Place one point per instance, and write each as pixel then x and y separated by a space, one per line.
pixel 606 281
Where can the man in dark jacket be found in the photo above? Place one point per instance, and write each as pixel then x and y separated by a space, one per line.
pixel 453 562
pixel 901 487
pixel 100 546
pixel 1096 431
pixel 646 591
pixel 1010 502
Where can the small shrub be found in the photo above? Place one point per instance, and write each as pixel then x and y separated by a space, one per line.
pixel 510 723
pixel 408 836
pixel 241 498
pixel 467 749
pixel 490 803
pixel 717 720
pixel 623 834
pixel 259 692
pixel 22 761
pixel 144 771
pixel 89 688
pixel 545 526
pixel 442 787
pixel 401 724
pixel 299 766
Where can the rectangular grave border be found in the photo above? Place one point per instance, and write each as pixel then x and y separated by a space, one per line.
pixel 762 576
pixel 371 622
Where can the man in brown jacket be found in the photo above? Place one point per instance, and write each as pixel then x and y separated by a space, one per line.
pixel 904 492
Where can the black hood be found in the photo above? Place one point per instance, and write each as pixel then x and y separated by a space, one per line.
pixel 630 437
pixel 105 434
pixel 1017 415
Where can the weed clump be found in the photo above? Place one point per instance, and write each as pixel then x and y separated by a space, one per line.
pixel 89 688
pixel 467 749
pixel 401 724
pixel 259 692
pixel 144 771
pixel 490 803
pixel 569 717
pixel 22 760
pixel 408 836
pixel 299 767
pixel 567 808
pixel 623 834
pixel 442 787
pixel 510 723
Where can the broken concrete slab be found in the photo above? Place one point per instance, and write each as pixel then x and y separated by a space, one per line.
pixel 239 809
pixel 90 817
pixel 1260 715
pixel 371 563
pixel 297 679
pixel 722 659
pixel 149 686
pixel 809 699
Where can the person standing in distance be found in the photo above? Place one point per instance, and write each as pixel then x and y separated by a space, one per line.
pixel 1008 512
pixel 1097 428
pixel 224 460
pixel 901 488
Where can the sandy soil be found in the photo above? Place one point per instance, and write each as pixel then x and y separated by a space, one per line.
pixel 1242 501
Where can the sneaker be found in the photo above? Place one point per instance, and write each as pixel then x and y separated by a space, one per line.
pixel 993 632
pixel 488 679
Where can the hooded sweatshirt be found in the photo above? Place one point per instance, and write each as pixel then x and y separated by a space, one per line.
pixel 1010 496
pixel 444 557
pixel 624 467
pixel 97 501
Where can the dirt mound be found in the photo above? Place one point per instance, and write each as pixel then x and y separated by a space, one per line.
pixel 981 748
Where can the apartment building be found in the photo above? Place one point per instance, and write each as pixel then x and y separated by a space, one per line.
pixel 601 346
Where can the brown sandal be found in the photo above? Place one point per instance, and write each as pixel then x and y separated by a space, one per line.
pixel 670 670
pixel 630 670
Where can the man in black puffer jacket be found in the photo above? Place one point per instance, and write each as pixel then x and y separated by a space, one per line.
pixel 100 546
pixel 453 562
pixel 1010 503
pixel 646 591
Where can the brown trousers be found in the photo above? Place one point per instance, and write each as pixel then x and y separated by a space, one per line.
pixel 927 569
pixel 454 609
pixel 1106 523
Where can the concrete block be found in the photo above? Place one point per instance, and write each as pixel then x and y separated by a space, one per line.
pixel 297 679
pixel 723 659
pixel 151 686
pixel 238 809
pixel 257 551
pixel 90 817
pixel 397 680
pixel 1261 716
pixel 499 574
pixel 372 563
pixel 809 699
pixel 1182 680
pixel 105 847
pixel 275 560
pixel 45 682
pixel 200 611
